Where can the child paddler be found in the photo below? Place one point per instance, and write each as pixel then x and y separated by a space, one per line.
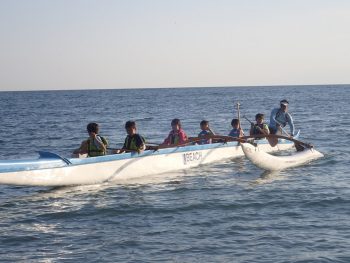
pixel 260 127
pixel 95 145
pixel 177 135
pixel 236 129
pixel 134 142
pixel 204 125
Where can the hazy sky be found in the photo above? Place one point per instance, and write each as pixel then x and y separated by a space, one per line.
pixel 75 44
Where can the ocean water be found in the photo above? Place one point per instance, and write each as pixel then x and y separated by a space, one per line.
pixel 224 212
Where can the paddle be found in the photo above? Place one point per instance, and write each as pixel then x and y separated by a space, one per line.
pixel 239 117
pixel 290 138
pixel 196 139
pixel 149 146
pixel 218 137
pixel 121 150
pixel 307 145
pixel 298 145
pixel 50 155
pixel 283 129
pixel 152 143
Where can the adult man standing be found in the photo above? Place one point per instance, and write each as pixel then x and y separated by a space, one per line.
pixel 279 119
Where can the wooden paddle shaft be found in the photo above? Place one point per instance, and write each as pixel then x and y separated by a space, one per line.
pixel 239 115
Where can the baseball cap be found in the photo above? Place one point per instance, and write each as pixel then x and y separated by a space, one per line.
pixel 284 102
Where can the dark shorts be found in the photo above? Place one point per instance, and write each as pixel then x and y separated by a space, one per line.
pixel 272 130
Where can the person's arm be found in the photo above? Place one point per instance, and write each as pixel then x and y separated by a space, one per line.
pixel 140 144
pixel 182 137
pixel 83 149
pixel 125 142
pixel 251 129
pixel 266 130
pixel 125 145
pixel 291 124
pixel 272 118
pixel 200 134
pixel 167 140
pixel 211 132
pixel 100 145
pixel 124 148
pixel 241 132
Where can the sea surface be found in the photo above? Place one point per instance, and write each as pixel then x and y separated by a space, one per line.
pixel 223 212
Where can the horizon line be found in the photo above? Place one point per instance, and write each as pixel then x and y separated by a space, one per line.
pixel 184 87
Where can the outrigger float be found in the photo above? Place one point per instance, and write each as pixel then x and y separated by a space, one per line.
pixel 305 153
pixel 53 170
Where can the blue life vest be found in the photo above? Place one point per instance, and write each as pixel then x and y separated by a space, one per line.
pixel 235 133
pixel 204 133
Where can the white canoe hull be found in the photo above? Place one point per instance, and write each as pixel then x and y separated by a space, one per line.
pixel 270 162
pixel 55 172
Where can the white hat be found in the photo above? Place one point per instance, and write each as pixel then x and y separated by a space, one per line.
pixel 284 102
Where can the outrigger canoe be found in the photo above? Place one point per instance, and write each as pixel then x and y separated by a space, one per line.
pixel 53 170
pixel 269 162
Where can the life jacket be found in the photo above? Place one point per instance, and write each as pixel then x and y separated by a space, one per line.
pixel 131 142
pixel 204 133
pixel 235 133
pixel 93 150
pixel 262 126
pixel 174 138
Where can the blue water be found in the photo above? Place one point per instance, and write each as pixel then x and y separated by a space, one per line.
pixel 224 212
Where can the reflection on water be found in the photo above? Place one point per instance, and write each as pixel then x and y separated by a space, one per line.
pixel 156 179
pixel 268 177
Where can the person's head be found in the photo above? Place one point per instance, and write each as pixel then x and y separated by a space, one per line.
pixel 235 123
pixel 176 124
pixel 284 105
pixel 130 127
pixel 92 128
pixel 259 118
pixel 204 125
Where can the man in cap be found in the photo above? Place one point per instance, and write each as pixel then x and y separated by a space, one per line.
pixel 279 119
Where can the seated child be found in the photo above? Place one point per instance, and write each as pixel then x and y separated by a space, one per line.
pixel 177 135
pixel 236 129
pixel 205 131
pixel 260 127
pixel 95 145
pixel 133 141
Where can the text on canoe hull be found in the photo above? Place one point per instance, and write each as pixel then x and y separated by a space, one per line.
pixel 192 157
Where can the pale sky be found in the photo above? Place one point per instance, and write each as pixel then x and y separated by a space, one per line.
pixel 82 44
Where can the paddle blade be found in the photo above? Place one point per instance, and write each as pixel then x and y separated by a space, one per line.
pixel 299 147
pixel 273 141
